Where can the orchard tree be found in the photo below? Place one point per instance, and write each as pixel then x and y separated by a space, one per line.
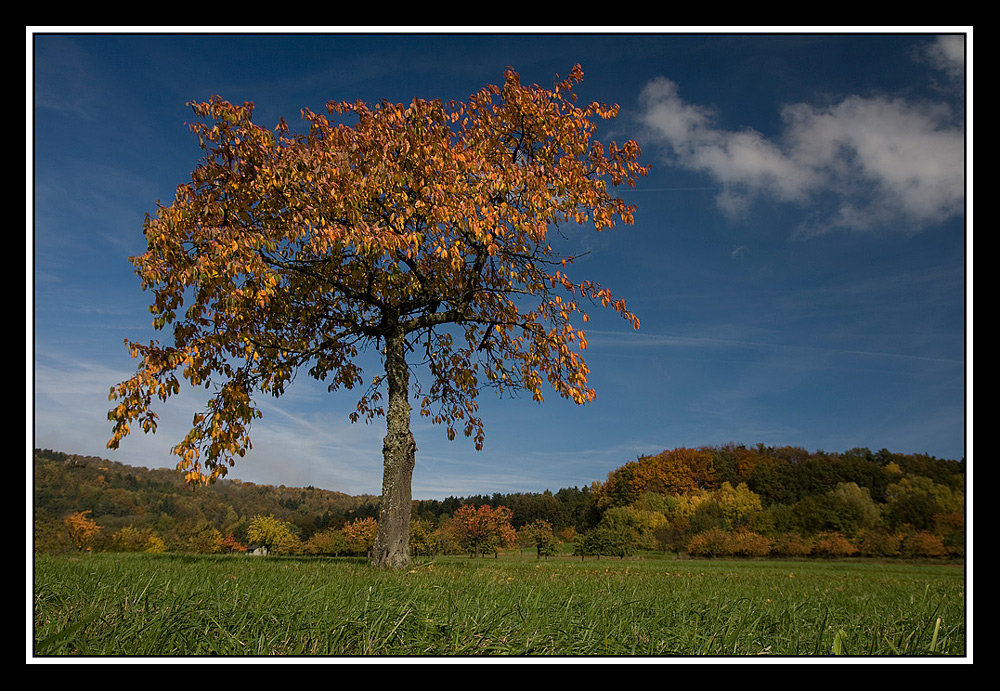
pixel 82 529
pixel 483 529
pixel 538 534
pixel 269 531
pixel 421 231
pixel 360 535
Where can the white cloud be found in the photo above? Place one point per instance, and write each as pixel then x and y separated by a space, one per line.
pixel 947 53
pixel 741 160
pixel 884 160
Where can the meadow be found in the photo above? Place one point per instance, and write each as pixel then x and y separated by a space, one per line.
pixel 105 604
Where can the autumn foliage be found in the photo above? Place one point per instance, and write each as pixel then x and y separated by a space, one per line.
pixel 295 249
pixel 483 529
pixel 81 529
pixel 782 503
pixel 376 227
pixel 679 471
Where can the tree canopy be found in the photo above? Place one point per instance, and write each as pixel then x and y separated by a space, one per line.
pixel 420 230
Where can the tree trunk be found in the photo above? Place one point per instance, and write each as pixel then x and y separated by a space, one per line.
pixel 392 544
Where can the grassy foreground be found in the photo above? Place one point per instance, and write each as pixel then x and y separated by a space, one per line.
pixel 174 605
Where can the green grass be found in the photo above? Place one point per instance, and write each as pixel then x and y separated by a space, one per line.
pixel 156 605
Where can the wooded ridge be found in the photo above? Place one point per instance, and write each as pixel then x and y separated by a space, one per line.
pixel 696 500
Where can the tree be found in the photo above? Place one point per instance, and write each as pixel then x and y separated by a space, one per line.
pixel 852 509
pixel 483 529
pixel 538 534
pixel 739 505
pixel 833 544
pixel 617 540
pixel 131 539
pixel 923 543
pixel 204 539
pixel 917 501
pixel 633 520
pixel 360 535
pixel 268 531
pixel 792 545
pixel 231 544
pixel 422 229
pixel 81 529
pixel 326 542
pixel 679 471
pixel 714 542
pixel 422 538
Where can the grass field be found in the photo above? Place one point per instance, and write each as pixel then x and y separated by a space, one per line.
pixel 174 605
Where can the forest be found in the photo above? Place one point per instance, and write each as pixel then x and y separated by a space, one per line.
pixel 714 501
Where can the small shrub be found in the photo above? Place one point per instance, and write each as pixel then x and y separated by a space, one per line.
pixel 714 542
pixel 749 544
pixel 792 545
pixel 833 545
pixel 878 543
pixel 923 544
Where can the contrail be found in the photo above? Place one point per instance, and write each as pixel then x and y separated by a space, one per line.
pixel 673 189
pixel 654 340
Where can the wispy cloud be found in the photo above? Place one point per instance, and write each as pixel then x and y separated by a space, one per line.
pixel 622 339
pixel 883 159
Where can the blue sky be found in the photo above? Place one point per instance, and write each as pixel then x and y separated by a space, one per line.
pixel 798 260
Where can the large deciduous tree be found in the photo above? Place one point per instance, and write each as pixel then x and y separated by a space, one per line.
pixel 420 230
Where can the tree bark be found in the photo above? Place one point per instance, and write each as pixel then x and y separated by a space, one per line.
pixel 392 544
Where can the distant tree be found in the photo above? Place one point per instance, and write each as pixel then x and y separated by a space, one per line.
pixel 618 540
pixel 707 515
pixel 445 538
pixel 530 507
pixel 132 539
pixel 676 472
pixel 360 535
pixel 747 543
pixel 484 529
pixel 833 544
pixel 663 504
pixel 538 534
pixel 204 539
pixel 81 529
pixel 420 228
pixel 51 537
pixel 879 543
pixel 156 545
pixel 950 527
pixel 739 505
pixel 327 542
pixel 773 480
pixel 917 502
pixel 641 524
pixel 792 545
pixel 268 531
pixel 422 539
pixel 714 542
pixel 289 544
pixel 579 507
pixel 923 543
pixel 852 509
pixel 231 544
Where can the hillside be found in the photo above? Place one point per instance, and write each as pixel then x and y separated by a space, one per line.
pixel 670 498
pixel 118 495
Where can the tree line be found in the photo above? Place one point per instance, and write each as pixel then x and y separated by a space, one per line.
pixel 731 500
